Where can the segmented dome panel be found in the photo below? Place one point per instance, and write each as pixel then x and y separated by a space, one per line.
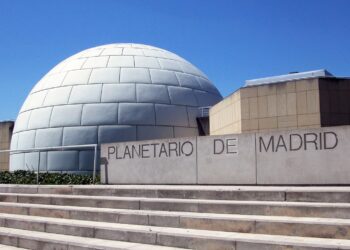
pixel 111 93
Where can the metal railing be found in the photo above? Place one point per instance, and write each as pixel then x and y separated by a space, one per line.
pixel 58 148
pixel 204 111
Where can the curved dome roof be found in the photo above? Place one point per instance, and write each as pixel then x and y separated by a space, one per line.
pixel 116 92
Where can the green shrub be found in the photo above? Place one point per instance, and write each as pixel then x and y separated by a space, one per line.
pixel 30 177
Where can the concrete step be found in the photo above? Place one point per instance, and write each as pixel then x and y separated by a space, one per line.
pixel 196 217
pixel 4 247
pixel 274 225
pixel 306 227
pixel 262 193
pixel 41 240
pixel 157 236
pixel 274 208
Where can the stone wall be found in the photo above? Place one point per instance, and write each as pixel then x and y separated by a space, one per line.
pixel 6 129
pixel 225 117
pixel 284 105
pixel 290 157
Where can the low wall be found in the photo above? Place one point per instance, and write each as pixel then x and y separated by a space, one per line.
pixel 302 156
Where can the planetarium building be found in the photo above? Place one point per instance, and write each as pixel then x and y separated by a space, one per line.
pixel 110 93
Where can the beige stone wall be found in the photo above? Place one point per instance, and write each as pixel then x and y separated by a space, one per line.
pixel 5 140
pixel 225 117
pixel 286 105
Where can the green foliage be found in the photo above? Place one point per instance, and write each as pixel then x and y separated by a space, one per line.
pixel 30 177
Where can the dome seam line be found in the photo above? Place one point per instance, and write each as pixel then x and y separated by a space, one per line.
pixel 99 125
pixel 110 102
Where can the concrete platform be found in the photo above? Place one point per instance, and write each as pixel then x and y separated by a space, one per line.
pixel 266 193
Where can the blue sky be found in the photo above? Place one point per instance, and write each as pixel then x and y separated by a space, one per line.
pixel 231 41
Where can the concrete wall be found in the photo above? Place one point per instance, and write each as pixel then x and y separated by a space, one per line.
pixel 301 156
pixel 285 105
pixel 154 161
pixel 5 140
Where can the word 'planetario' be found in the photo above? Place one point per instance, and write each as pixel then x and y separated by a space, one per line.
pixel 151 150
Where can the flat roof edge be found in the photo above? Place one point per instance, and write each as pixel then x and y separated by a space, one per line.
pixel 288 77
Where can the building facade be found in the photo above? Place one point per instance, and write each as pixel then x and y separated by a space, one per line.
pixel 311 101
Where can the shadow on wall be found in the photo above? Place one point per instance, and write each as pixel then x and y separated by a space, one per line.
pixel 6 129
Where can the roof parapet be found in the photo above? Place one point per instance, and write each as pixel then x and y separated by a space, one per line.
pixel 288 77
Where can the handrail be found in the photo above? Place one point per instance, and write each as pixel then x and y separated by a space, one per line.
pixel 204 111
pixel 57 148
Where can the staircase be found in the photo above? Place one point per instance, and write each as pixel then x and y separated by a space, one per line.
pixel 174 217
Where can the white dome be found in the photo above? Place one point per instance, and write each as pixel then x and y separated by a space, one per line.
pixel 116 92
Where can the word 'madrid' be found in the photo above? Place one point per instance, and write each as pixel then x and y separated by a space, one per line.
pixel 296 142
pixel 151 150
